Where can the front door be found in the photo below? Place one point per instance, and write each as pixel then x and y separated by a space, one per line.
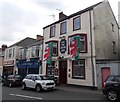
pixel 105 71
pixel 63 72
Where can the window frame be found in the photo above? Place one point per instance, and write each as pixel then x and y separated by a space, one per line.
pixel 74 29
pixel 53 68
pixel 61 28
pixel 114 47
pixel 53 41
pixel 73 77
pixel 51 31
pixel 86 46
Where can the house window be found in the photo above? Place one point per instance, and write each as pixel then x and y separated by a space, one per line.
pixel 112 27
pixel 63 28
pixel 10 53
pixel 114 48
pixel 55 49
pixel 76 23
pixel 78 69
pixel 83 42
pixel 22 54
pixel 13 52
pixel 52 31
pixel 50 69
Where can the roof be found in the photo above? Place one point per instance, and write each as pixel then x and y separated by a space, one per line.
pixel 25 42
pixel 36 43
pixel 75 14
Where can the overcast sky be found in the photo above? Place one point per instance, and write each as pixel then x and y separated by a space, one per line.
pixel 26 18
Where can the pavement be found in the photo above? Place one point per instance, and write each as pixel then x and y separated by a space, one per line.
pixel 73 88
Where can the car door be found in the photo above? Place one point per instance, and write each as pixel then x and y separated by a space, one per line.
pixel 33 82
pixel 118 81
pixel 28 81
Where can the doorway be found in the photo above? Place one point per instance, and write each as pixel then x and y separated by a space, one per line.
pixel 105 71
pixel 63 72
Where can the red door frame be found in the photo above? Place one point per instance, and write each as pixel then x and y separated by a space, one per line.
pixel 59 71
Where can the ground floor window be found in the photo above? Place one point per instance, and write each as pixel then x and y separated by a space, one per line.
pixel 78 69
pixel 50 69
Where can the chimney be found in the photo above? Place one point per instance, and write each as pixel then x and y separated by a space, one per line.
pixel 39 38
pixel 62 16
pixel 4 47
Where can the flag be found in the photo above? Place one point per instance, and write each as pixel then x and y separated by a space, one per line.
pixel 75 47
pixel 48 53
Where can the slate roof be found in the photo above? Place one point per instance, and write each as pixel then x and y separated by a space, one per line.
pixel 25 42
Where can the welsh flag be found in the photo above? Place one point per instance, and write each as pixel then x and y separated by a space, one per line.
pixel 74 47
pixel 48 53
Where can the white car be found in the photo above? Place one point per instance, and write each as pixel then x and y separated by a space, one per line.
pixel 38 82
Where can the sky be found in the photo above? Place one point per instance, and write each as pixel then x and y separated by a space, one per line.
pixel 26 18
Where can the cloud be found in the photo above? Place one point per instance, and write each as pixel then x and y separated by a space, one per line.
pixel 50 4
pixel 14 20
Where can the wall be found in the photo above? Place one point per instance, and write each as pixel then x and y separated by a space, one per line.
pixel 104 36
pixel 114 70
pixel 85 29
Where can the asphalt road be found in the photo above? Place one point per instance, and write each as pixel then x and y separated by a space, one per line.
pixel 60 93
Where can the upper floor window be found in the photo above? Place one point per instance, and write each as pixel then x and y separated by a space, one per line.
pixel 83 42
pixel 52 31
pixel 35 51
pixel 63 29
pixel 54 47
pixel 13 52
pixel 114 48
pixel 22 53
pixel 10 53
pixel 112 27
pixel 76 23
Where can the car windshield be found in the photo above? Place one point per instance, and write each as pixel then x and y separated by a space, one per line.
pixel 119 78
pixel 43 77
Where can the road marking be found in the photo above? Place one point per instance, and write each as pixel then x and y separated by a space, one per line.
pixel 26 96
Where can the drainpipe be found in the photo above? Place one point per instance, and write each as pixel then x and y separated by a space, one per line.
pixel 93 74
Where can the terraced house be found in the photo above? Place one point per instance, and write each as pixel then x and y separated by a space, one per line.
pixel 79 42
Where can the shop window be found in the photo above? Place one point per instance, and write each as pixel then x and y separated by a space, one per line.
pixel 76 23
pixel 52 31
pixel 78 69
pixel 50 69
pixel 63 29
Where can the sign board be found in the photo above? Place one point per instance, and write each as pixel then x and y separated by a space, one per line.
pixel 63 46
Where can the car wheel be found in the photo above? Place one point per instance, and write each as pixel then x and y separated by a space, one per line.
pixel 23 86
pixel 112 95
pixel 38 88
pixel 10 84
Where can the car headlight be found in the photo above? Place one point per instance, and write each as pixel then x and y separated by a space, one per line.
pixel 43 83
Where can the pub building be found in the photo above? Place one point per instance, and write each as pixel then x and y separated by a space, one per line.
pixel 72 45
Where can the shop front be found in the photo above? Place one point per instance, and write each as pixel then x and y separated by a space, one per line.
pixel 28 67
pixel 8 68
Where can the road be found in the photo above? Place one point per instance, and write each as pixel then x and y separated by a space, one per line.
pixel 59 93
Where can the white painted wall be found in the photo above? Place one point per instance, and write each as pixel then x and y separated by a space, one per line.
pixel 85 29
